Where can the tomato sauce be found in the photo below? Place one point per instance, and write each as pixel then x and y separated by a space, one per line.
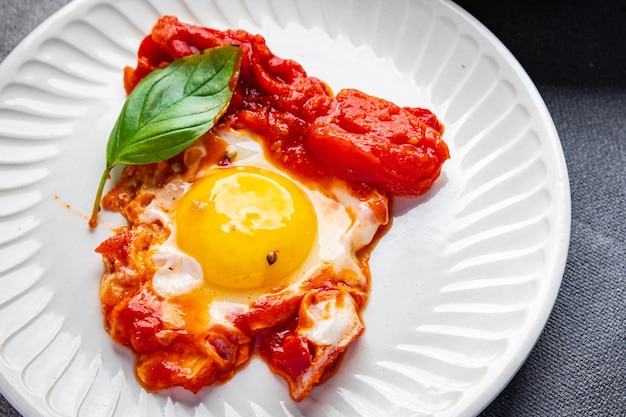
pixel 307 130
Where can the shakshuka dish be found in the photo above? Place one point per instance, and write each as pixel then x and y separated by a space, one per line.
pixel 255 240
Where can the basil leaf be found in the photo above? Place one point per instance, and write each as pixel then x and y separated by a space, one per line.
pixel 171 108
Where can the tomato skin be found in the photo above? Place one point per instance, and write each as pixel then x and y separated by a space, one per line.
pixel 116 247
pixel 307 131
pixel 372 140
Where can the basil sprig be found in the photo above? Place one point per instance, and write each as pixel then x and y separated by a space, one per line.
pixel 171 108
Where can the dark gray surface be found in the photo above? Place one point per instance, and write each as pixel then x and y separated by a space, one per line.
pixel 575 52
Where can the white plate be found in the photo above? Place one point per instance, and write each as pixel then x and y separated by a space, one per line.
pixel 462 284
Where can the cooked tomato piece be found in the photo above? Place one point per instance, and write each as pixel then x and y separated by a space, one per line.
pixel 368 139
pixel 117 246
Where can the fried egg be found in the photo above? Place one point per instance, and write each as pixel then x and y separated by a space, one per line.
pixel 226 254
pixel 247 229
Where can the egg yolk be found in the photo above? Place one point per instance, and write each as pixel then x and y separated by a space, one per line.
pixel 247 227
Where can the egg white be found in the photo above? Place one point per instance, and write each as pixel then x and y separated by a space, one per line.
pixel 346 224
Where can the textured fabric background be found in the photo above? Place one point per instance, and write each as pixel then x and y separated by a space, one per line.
pixel 575 52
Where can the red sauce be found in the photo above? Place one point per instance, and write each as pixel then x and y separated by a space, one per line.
pixel 306 129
